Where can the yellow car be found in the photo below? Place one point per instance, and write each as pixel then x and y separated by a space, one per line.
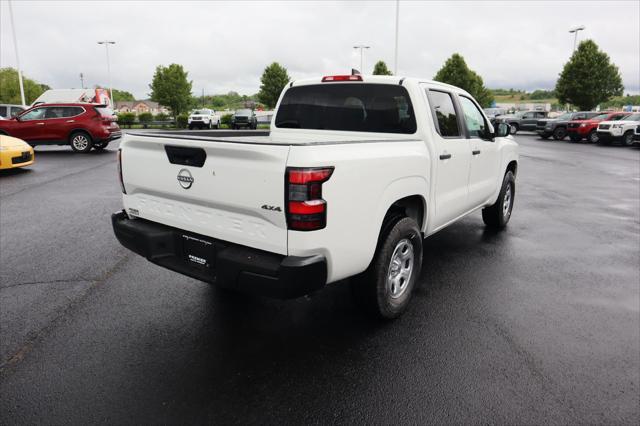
pixel 15 152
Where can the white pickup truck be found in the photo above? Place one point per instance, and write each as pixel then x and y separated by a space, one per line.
pixel 355 172
pixel 204 119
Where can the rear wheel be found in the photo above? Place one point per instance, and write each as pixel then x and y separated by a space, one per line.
pixel 592 137
pixel 627 138
pixel 559 133
pixel 81 142
pixel 498 215
pixel 514 128
pixel 386 287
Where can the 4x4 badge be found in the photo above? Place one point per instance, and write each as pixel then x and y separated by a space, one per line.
pixel 185 179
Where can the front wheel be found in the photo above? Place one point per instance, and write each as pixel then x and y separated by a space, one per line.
pixel 514 128
pixel 593 137
pixel 498 214
pixel 81 142
pixel 386 287
pixel 559 133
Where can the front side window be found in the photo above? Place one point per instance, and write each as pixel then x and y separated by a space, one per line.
pixel 540 115
pixel 353 107
pixel 473 118
pixel 528 115
pixel 3 111
pixel 55 112
pixel 34 114
pixel 445 117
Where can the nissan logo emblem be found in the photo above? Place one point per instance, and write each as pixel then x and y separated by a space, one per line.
pixel 185 179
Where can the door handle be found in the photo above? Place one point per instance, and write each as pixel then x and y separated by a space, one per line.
pixel 476 152
pixel 39 124
pixel 71 121
pixel 445 156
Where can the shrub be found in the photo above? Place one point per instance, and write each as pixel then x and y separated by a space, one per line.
pixel 182 121
pixel 145 118
pixel 126 118
pixel 161 116
pixel 226 119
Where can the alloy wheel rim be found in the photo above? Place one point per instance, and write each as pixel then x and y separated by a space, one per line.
pixel 506 203
pixel 80 142
pixel 400 268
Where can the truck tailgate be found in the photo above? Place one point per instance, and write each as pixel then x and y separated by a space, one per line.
pixel 225 190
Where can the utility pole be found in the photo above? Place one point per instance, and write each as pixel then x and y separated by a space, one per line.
pixel 15 47
pixel 395 62
pixel 106 45
pixel 81 81
pixel 575 35
pixel 361 47
pixel 203 97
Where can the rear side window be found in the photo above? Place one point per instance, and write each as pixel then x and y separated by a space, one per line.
pixel 3 111
pixel 444 113
pixel 72 111
pixel 378 108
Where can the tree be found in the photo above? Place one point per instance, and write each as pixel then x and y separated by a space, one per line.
pixel 118 95
pixel 273 80
pixel 171 88
pixel 10 88
pixel 380 68
pixel 456 72
pixel 589 78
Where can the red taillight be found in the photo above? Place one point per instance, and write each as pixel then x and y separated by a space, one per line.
pixel 329 78
pixel 306 210
pixel 120 171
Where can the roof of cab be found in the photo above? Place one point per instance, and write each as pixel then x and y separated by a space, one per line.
pixel 377 79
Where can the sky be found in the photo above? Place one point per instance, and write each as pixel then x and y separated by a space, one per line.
pixel 225 46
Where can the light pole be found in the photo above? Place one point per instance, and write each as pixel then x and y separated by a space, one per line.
pixel 395 62
pixel 575 35
pixel 81 81
pixel 361 47
pixel 15 47
pixel 106 45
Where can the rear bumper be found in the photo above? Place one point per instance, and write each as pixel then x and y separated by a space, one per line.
pixel 232 266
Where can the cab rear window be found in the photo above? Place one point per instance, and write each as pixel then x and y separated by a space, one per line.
pixel 378 108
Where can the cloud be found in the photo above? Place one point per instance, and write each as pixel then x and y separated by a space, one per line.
pixel 226 45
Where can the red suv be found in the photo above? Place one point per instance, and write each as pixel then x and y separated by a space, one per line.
pixel 579 129
pixel 83 126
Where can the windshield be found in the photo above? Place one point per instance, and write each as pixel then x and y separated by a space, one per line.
pixel 566 116
pixel 243 112
pixel 354 107
pixel 632 117
pixel 201 112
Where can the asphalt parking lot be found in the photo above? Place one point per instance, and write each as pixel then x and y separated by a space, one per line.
pixel 538 324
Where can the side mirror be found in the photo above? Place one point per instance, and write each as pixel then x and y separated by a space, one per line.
pixel 503 130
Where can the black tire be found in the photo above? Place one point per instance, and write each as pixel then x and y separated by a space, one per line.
pixel 575 138
pixel 627 138
pixel 593 137
pixel 514 128
pixel 99 146
pixel 190 127
pixel 559 133
pixel 81 142
pixel 498 215
pixel 545 137
pixel 3 133
pixel 382 292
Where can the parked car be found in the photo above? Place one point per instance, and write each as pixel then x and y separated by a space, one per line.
pixel 10 110
pixel 80 125
pixel 620 131
pixel 557 127
pixel 244 118
pixel 587 129
pixel 522 120
pixel 15 152
pixel 204 118
pixel 369 166
pixel 636 135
